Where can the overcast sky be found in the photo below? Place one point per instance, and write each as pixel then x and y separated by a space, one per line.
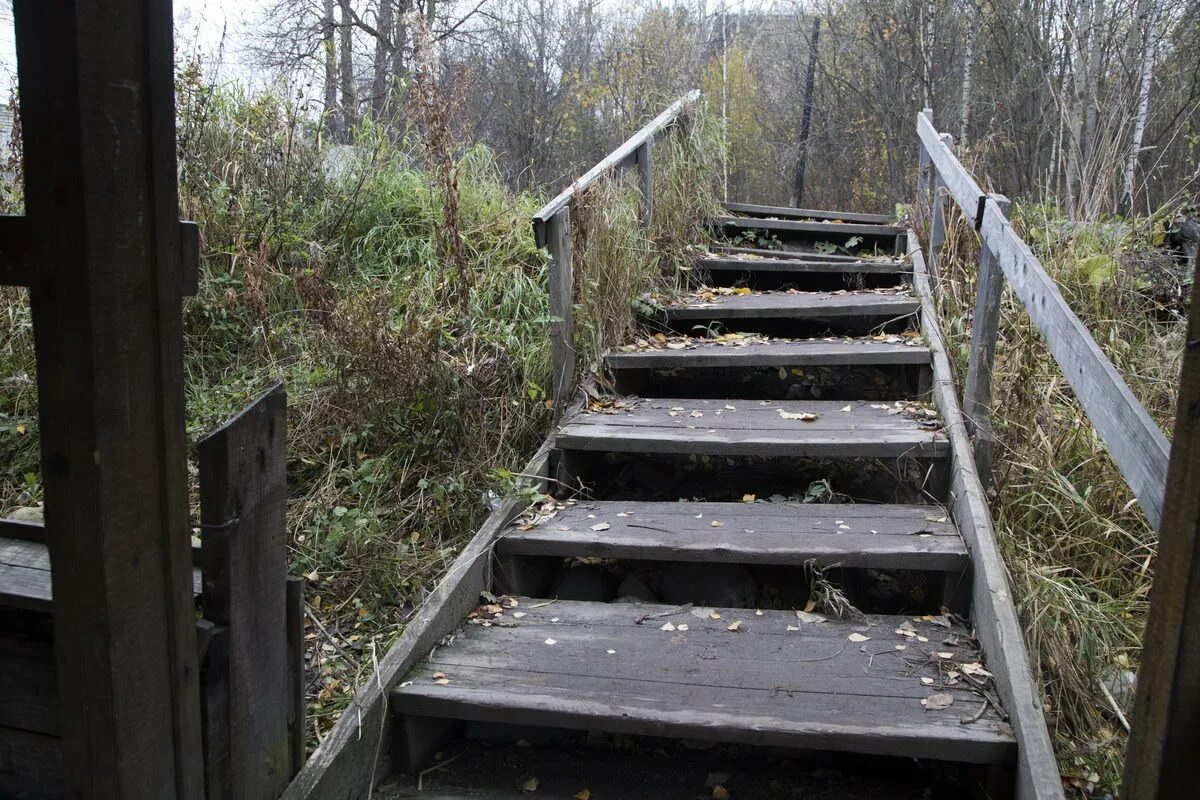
pixel 196 21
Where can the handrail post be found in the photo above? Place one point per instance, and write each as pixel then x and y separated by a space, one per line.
pixel 562 341
pixel 937 233
pixel 985 326
pixel 645 164
pixel 923 167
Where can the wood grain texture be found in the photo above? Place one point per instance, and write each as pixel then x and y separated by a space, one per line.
pixel 1159 761
pixel 992 610
pixel 243 512
pixel 787 212
pixel 752 428
pixel 796 265
pixel 885 536
pixel 797 305
pixel 356 754
pixel 811 229
pixel 762 685
pixel 814 352
pixel 98 115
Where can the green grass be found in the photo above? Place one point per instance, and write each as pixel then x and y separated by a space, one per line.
pixel 1079 551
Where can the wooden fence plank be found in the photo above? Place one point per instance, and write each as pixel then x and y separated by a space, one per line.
pixel 985 326
pixel 1136 444
pixel 296 674
pixel 1160 756
pixel 243 512
pixel 645 164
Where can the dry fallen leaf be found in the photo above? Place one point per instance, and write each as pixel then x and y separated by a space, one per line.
pixel 682 627
pixel 736 627
pixel 945 655
pixel 583 794
pixel 601 526
pixel 803 416
pixel 936 702
pixel 975 668
pixel 716 524
pixel 720 792
pixel 611 652
pixel 792 628
pixel 530 785
pixel 747 498
pixel 667 627
pixel 806 616
pixel 551 642
pixel 927 681
pixel 858 637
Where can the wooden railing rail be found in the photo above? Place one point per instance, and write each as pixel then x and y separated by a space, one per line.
pixel 1134 441
pixel 552 228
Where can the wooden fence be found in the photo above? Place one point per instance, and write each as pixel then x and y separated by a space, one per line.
pixel 1134 441
pixel 250 634
pixel 552 228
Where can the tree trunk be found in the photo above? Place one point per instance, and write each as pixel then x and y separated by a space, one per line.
pixel 972 22
pixel 400 41
pixel 1148 23
pixel 381 79
pixel 349 100
pixel 806 116
pixel 329 48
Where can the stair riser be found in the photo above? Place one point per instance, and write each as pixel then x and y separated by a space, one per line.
pixel 656 476
pixel 785 381
pixel 798 326
pixel 807 280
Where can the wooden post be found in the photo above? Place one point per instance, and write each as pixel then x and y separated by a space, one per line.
pixel 1159 759
pixel 243 557
pixel 923 167
pixel 645 164
pixel 562 338
pixel 296 675
pixel 98 111
pixel 937 232
pixel 985 324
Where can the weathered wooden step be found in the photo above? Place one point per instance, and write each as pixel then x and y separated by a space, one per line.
pixel 756 428
pixel 731 676
pixel 785 212
pixel 882 536
pixel 802 255
pixel 852 310
pixel 871 232
pixel 745 262
pixel 772 353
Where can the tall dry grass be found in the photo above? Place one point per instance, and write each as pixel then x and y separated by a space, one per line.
pixel 1079 551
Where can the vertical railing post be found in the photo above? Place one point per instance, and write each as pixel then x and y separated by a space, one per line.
pixel 923 200
pixel 562 341
pixel 645 164
pixel 937 231
pixel 985 326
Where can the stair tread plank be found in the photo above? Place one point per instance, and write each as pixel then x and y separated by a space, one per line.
pixel 781 353
pixel 787 212
pixel 883 536
pixel 796 305
pixel 797 265
pixel 811 687
pixel 817 228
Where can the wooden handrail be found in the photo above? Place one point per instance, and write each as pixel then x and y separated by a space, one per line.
pixel 624 154
pixel 552 230
pixel 1136 443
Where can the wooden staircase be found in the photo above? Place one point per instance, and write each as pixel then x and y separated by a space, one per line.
pixel 763 445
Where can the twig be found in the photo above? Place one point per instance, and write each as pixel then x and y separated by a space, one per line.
pixel 543 605
pixel 647 527
pixel 1112 701
pixel 975 717
pixel 670 612
pixel 421 775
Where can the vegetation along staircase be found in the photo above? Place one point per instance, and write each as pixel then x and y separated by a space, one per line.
pixel 809 601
